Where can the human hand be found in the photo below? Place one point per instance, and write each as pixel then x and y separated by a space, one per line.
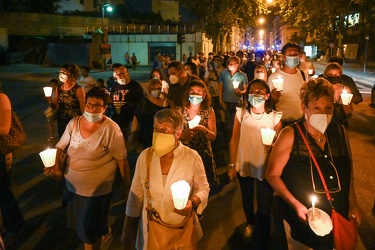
pixel 187 135
pixel 237 92
pixel 301 211
pixel 232 173
pixel 223 105
pixel 275 94
pixel 186 210
pixel 199 128
pixel 357 214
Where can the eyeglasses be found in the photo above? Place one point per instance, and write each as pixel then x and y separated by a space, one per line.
pixel 333 181
pixel 94 106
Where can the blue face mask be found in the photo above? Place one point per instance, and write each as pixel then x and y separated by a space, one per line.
pixel 292 61
pixel 195 99
pixel 256 100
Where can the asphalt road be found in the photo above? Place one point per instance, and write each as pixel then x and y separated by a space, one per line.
pixel 223 223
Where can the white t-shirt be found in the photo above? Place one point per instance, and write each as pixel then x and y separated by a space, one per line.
pixel 289 102
pixel 92 164
pixel 86 83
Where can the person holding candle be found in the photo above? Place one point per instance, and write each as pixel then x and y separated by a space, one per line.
pixel 170 161
pixel 286 100
pixel 306 65
pixel 248 159
pixel 12 218
pixel 54 84
pixel 198 103
pixel 95 149
pixel 232 87
pixel 70 98
pixel 333 73
pixel 294 177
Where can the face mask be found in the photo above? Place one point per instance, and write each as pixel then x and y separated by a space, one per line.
pixel 334 79
pixel 195 99
pixel 121 81
pixel 155 93
pixel 173 79
pixel 292 61
pixel 259 75
pixel 163 143
pixel 93 117
pixel 231 67
pixel 256 100
pixel 63 78
pixel 319 121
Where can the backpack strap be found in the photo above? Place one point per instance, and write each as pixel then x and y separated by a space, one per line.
pixel 303 75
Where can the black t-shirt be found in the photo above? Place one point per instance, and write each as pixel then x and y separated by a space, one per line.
pixel 176 91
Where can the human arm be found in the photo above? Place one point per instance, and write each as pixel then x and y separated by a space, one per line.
pixel 221 87
pixel 210 131
pixel 349 82
pixel 276 163
pixel 81 99
pixel 233 147
pixel 123 166
pixel 5 115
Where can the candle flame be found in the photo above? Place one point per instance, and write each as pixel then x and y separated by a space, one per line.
pixel 313 200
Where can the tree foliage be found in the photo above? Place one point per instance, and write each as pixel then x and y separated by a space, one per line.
pixel 36 6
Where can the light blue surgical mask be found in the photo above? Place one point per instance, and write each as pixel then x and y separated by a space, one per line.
pixel 292 61
pixel 195 99
pixel 256 100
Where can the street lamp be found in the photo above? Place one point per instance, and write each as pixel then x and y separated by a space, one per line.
pixel 105 6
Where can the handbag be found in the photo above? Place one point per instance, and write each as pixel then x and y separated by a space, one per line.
pixel 165 236
pixel 15 138
pixel 344 231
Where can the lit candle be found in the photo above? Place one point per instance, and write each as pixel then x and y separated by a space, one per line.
pixel 48 157
pixel 235 84
pixel 194 122
pixel 180 194
pixel 47 91
pixel 310 71
pixel 346 97
pixel 313 200
pixel 267 135
pixel 278 83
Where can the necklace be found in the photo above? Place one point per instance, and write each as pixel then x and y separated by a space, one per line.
pixel 256 116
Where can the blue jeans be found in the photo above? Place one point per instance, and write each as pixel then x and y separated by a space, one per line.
pixel 10 210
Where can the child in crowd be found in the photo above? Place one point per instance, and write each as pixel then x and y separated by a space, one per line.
pixel 51 111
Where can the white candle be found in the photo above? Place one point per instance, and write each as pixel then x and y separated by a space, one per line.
pixel 180 194
pixel 313 200
pixel 346 97
pixel 194 122
pixel 47 91
pixel 267 135
pixel 235 84
pixel 310 71
pixel 278 83
pixel 48 157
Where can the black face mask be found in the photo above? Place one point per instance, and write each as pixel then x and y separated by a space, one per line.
pixel 334 79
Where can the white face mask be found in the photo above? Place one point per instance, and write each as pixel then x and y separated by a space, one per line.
pixel 260 75
pixel 319 121
pixel 121 81
pixel 173 79
pixel 155 93
pixel 163 143
pixel 93 117
pixel 63 78
pixel 232 68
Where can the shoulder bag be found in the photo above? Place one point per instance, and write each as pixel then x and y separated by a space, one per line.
pixel 162 235
pixel 15 138
pixel 344 231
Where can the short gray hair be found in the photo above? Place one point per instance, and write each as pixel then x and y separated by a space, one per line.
pixel 171 116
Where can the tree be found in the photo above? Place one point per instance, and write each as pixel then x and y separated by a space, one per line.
pixel 37 6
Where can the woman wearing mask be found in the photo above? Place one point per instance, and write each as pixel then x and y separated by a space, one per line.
pixel 248 159
pixel 158 74
pixel 199 136
pixel 169 162
pixel 294 176
pixel 70 98
pixel 260 72
pixel 143 121
pixel 86 81
pixel 95 148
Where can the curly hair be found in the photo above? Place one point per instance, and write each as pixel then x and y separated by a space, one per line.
pixel 315 89
pixel 73 69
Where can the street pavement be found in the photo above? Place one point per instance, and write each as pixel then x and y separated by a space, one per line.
pixel 223 222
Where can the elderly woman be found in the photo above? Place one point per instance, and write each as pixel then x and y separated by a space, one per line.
pixel 70 98
pixel 294 177
pixel 341 83
pixel 168 162
pixel 95 149
pixel 143 121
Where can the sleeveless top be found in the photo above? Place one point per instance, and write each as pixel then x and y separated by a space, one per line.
pixel 68 107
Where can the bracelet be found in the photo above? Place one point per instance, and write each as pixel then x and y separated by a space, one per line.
pixel 232 165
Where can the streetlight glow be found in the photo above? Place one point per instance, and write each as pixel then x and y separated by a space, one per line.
pixel 105 6
pixel 261 20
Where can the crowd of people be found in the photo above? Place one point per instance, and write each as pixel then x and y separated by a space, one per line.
pixel 188 109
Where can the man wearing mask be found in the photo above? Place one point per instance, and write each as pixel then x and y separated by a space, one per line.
pixel 250 66
pixel 287 100
pixel 125 94
pixel 180 81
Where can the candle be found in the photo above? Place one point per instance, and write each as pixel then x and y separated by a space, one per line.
pixel 278 83
pixel 313 200
pixel 235 84
pixel 346 97
pixel 310 71
pixel 267 135
pixel 180 194
pixel 273 70
pixel 47 91
pixel 48 157
pixel 194 122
